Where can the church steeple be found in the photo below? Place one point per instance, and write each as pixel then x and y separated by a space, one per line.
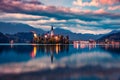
pixel 51 28
pixel 52 33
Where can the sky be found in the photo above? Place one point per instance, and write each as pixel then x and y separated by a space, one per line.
pixel 78 16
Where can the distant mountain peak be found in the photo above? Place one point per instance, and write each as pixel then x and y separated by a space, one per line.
pixel 114 31
pixel 18 27
pixel 113 35
pixel 12 28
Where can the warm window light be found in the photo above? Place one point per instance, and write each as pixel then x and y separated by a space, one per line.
pixel 35 35
pixel 45 36
pixel 56 37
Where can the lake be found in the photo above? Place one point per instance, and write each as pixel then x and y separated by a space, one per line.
pixel 59 62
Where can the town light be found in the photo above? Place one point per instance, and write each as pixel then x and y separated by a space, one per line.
pixel 35 35
pixel 56 37
pixel 45 36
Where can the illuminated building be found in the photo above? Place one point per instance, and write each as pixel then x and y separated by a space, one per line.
pixel 50 38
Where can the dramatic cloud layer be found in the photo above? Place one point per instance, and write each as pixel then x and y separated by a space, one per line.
pixel 95 2
pixel 90 15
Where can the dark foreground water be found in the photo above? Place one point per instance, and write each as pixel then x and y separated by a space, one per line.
pixel 59 62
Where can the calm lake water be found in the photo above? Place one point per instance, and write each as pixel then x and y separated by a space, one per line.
pixel 59 62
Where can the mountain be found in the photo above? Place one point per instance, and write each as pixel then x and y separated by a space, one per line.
pixel 76 36
pixel 20 37
pixel 114 31
pixel 12 28
pixel 114 35
pixel 3 38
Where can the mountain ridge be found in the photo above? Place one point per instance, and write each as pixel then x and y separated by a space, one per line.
pixel 12 28
pixel 112 36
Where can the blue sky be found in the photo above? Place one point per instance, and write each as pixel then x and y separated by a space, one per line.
pixel 79 16
pixel 65 3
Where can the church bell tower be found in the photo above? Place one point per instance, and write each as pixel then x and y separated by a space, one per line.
pixel 52 32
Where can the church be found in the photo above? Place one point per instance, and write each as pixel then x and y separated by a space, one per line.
pixel 50 38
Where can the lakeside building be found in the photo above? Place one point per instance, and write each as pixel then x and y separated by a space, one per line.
pixel 50 38
pixel 109 42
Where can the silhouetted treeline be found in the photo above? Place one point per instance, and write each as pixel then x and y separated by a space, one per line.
pixel 21 37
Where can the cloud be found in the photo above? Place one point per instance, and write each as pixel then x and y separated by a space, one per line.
pixel 39 15
pixel 77 21
pixel 50 11
pixel 87 29
pixel 81 3
pixel 51 20
pixel 109 2
pixel 19 16
pixel 100 11
pixel 95 2
pixel 74 25
pixel 114 8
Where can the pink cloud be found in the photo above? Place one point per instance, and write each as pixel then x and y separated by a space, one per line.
pixel 95 2
pixel 109 2
pixel 15 5
pixel 18 6
pixel 81 3
pixel 100 11
pixel 114 8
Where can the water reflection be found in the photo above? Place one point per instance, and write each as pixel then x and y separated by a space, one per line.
pixel 31 51
pixel 34 51
pixel 49 49
pixel 111 48
pixel 82 46
pixel 71 61
pixel 53 48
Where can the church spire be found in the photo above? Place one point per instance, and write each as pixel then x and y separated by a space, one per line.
pixel 52 33
pixel 51 28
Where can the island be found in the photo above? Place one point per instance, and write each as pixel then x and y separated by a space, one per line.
pixel 50 38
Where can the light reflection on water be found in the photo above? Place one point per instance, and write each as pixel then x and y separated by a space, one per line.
pixel 67 61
